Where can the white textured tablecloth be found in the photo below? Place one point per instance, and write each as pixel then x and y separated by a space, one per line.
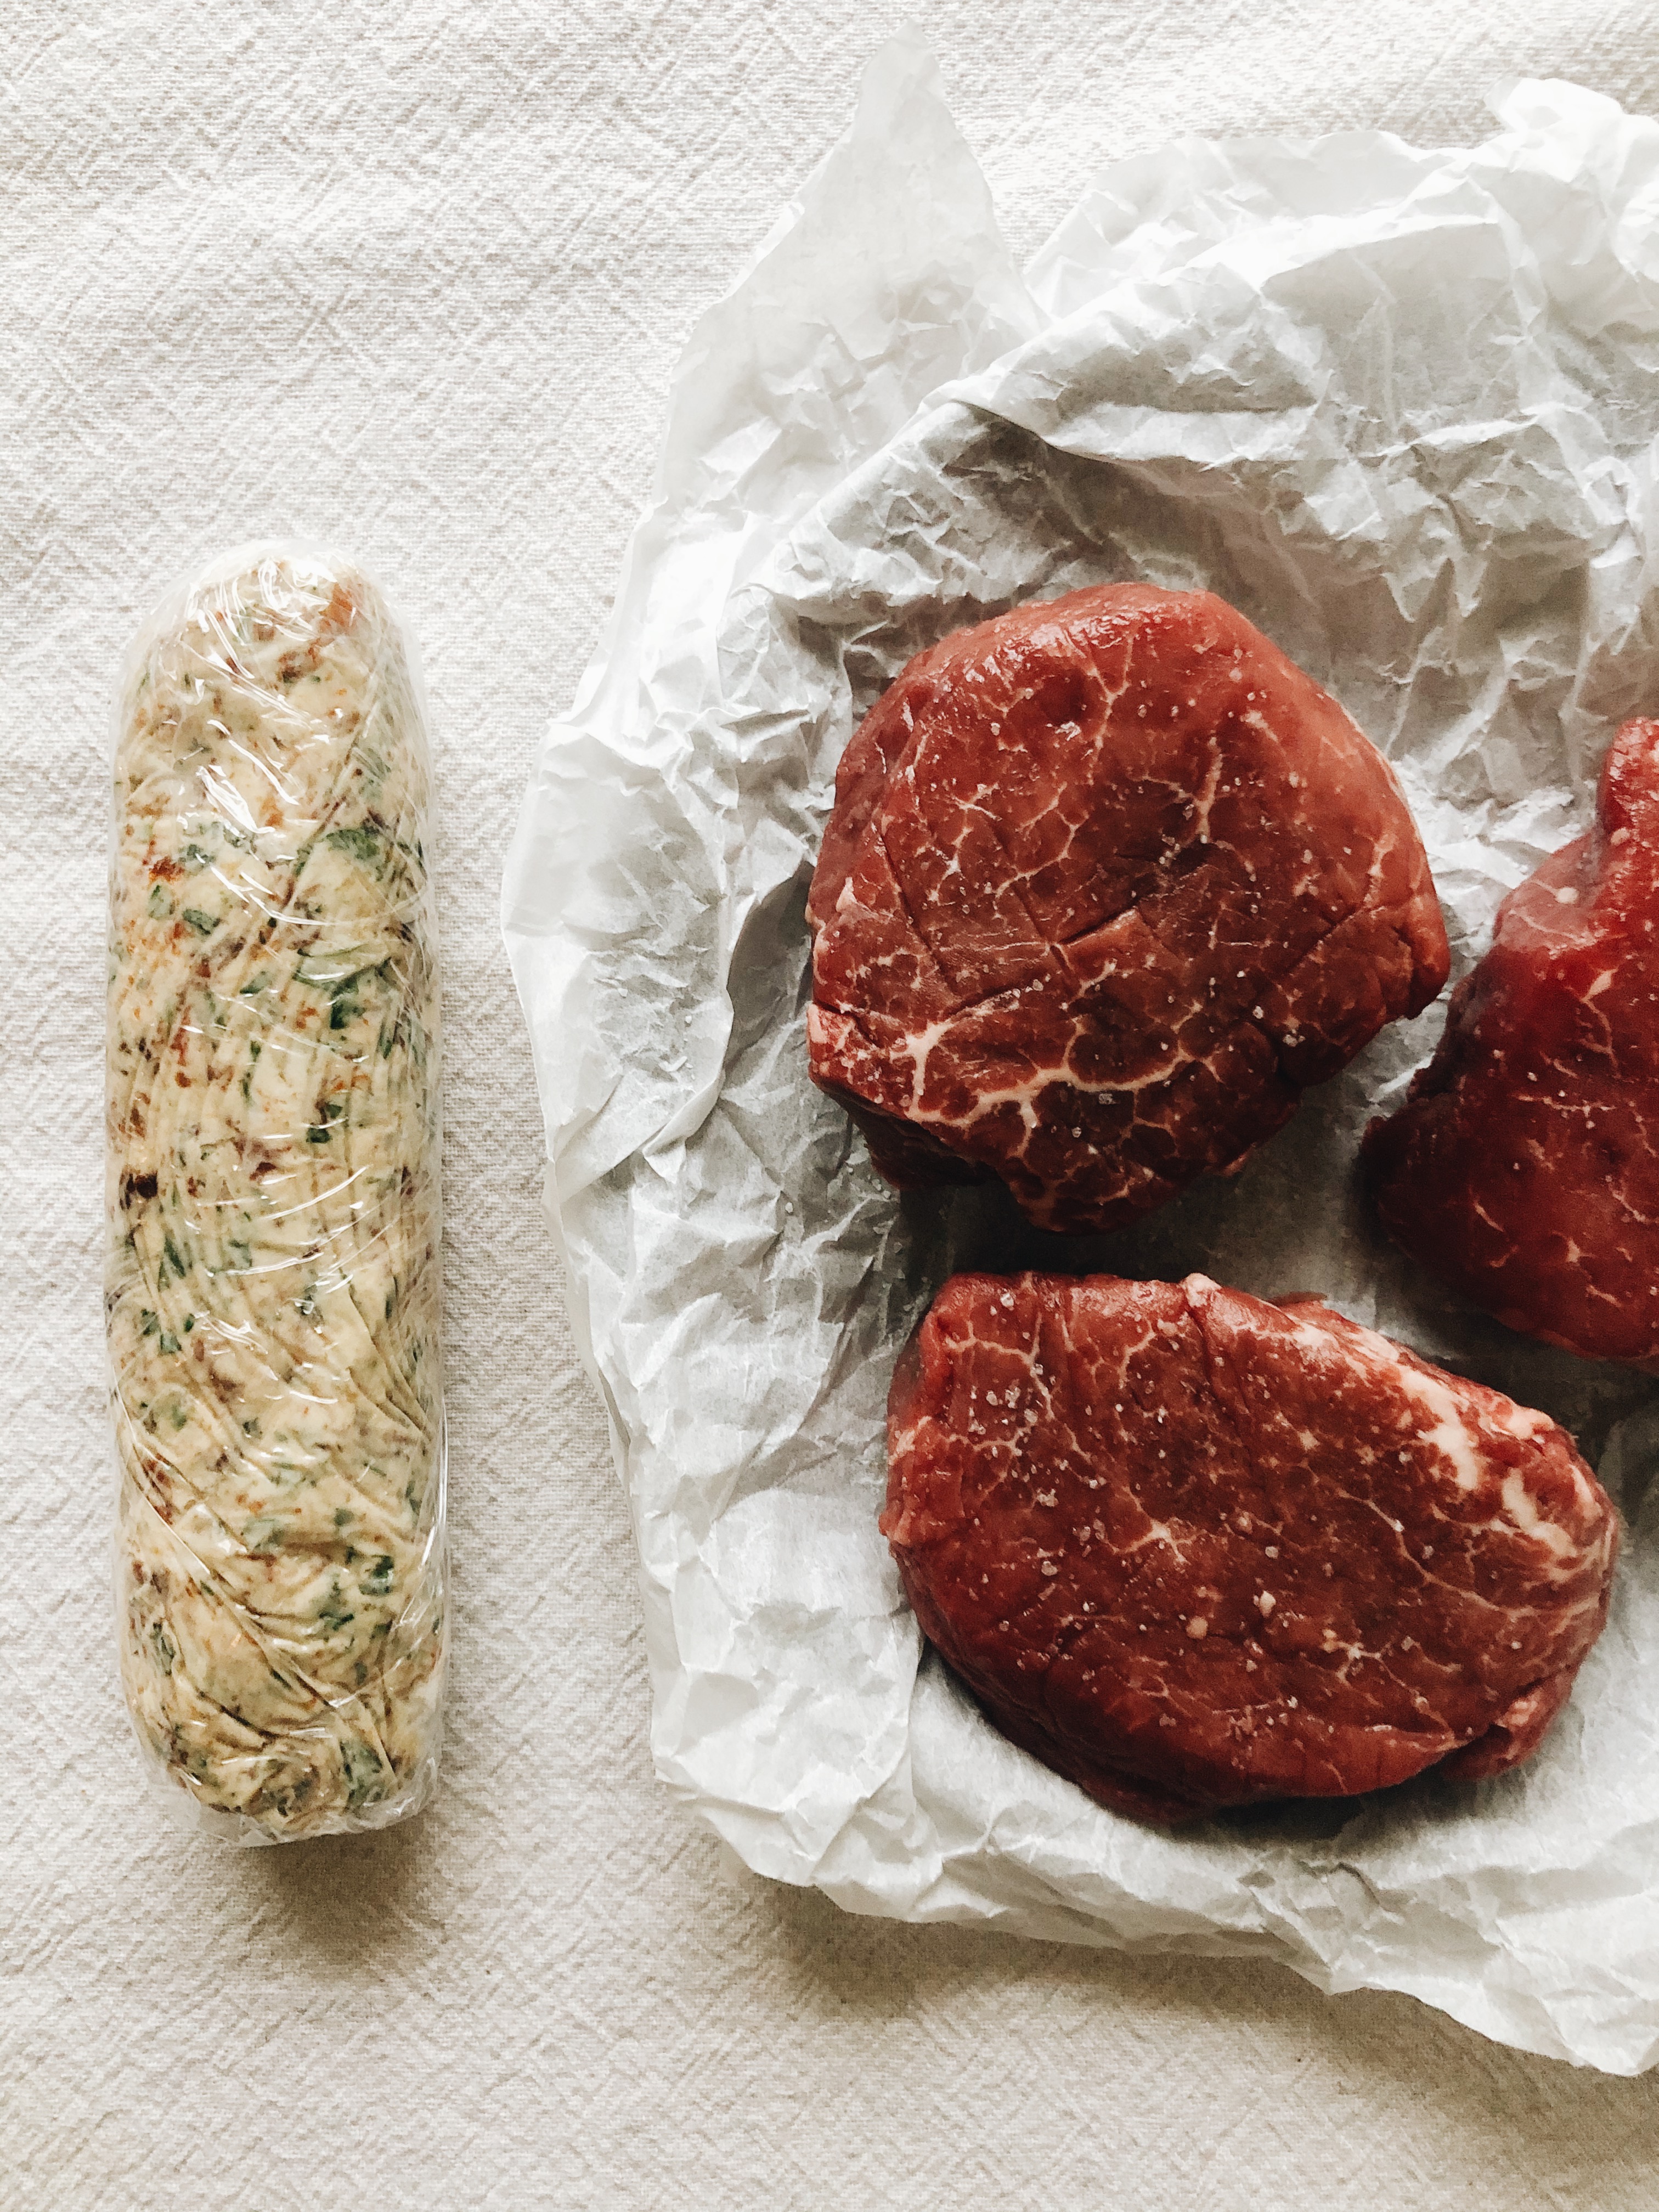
pixel 412 278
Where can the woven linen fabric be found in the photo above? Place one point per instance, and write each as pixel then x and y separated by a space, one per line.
pixel 411 279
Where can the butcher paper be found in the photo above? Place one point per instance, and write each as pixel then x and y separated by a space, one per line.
pixel 1400 405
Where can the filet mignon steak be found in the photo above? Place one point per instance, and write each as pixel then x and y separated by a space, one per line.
pixel 1194 1550
pixel 1524 1168
pixel 1107 882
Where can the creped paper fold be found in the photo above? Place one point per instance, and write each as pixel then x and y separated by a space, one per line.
pixel 1399 405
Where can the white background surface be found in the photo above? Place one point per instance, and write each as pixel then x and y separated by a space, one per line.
pixel 413 279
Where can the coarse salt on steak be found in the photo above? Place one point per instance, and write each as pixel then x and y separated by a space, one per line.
pixel 1524 1168
pixel 1108 881
pixel 1194 1550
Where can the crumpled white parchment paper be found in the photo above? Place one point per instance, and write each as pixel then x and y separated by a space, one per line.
pixel 1400 406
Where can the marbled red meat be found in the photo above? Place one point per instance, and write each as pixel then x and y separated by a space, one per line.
pixel 1108 881
pixel 1194 1550
pixel 1524 1168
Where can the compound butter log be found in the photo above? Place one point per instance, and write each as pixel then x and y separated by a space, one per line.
pixel 274 1283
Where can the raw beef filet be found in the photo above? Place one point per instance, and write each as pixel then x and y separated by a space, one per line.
pixel 1194 1550
pixel 1523 1168
pixel 1108 881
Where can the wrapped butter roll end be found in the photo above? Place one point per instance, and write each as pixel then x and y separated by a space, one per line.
pixel 274 1276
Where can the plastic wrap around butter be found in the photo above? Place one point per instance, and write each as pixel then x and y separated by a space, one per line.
pixel 1398 405
pixel 274 1281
